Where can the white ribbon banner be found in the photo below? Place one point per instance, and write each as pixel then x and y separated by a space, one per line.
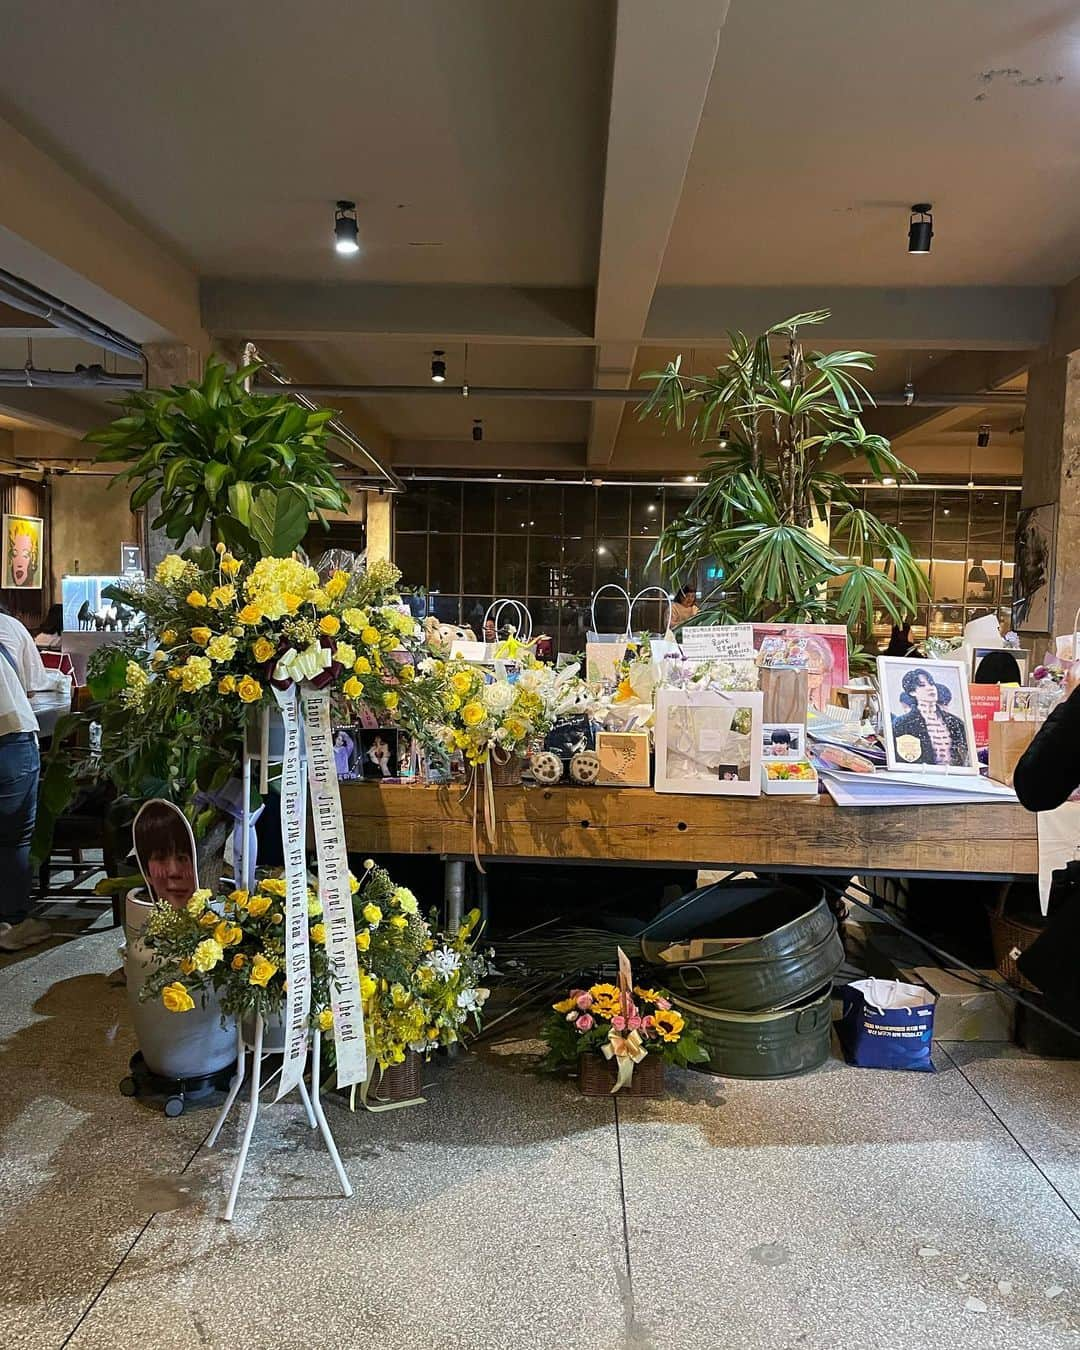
pixel 297 956
pixel 334 890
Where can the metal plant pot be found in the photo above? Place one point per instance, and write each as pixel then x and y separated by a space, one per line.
pixel 775 1044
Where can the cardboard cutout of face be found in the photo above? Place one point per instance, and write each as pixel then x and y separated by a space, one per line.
pixel 165 850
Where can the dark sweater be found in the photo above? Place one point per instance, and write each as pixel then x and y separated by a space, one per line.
pixel 1049 769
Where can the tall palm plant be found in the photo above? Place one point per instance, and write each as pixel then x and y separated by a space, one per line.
pixel 775 429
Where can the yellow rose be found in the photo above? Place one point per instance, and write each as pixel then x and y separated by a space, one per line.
pixel 229 565
pixel 326 1019
pixel 515 728
pixel 208 920
pixel 249 690
pixel 168 638
pixel 344 653
pixel 186 964
pixel 176 998
pixel 201 636
pixel 337 585
pixel 250 614
pixel 369 637
pixel 207 954
pixel 390 699
pixel 263 650
pixel 262 971
pixel 318 597
pixel 239 897
pixel 318 933
pixel 258 905
pixel 406 674
pixel 196 599
pixel 227 684
pixel 363 941
pixel 221 596
pixel 367 985
pixel 451 702
pixel 472 714
pixel 273 886
pixel 221 648
pixel 352 688
pixel 354 885
pixel 291 601
pixel 239 961
pixel 399 921
pixel 372 915
pixel 362 666
pixel 330 625
pixel 228 934
pixel 174 674
pixel 462 681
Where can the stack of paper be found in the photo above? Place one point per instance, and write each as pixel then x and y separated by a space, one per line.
pixel 885 787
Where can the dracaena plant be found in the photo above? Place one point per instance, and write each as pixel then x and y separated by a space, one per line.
pixel 776 430
pixel 253 466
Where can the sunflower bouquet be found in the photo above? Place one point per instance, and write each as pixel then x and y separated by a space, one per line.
pixel 625 1027
pixel 229 631
pixel 235 945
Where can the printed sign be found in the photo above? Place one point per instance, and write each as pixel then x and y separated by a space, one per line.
pixel 723 642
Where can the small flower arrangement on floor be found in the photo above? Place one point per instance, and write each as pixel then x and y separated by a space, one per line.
pixel 235 945
pixel 621 1024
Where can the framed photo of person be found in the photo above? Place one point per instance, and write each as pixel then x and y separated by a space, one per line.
pixel 24 550
pixel 381 751
pixel 347 753
pixel 926 711
pixel 708 741
pixel 783 741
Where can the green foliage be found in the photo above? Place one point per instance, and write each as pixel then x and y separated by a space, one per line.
pixel 252 465
pixel 774 431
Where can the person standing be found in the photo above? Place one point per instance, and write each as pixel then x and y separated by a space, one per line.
pixel 21 674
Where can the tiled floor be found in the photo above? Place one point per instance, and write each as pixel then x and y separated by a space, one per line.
pixel 848 1210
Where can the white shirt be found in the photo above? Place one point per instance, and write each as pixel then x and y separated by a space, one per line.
pixel 29 675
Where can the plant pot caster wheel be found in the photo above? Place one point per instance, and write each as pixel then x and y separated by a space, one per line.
pixel 174 1106
pixel 128 1087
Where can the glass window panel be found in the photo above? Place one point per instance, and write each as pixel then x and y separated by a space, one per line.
pixel 445 513
pixel 512 509
pixel 446 608
pixel 444 569
pixel 610 614
pixel 579 511
pixel 479 508
pixel 613 510
pixel 511 554
pixel 573 625
pixel 545 567
pixel 950 518
pixel 473 609
pixel 410 554
pixel 411 508
pixel 947 581
pixel 983 581
pixel 477 563
pixel 649 615
pixel 612 561
pixel 546 509
pixel 946 620
pixel 640 574
pixel 646 510
pixel 676 500
pixel 885 503
pixel 545 617
pixel 914 517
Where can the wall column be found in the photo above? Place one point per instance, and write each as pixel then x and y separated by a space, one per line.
pixel 379 534
pixel 167 363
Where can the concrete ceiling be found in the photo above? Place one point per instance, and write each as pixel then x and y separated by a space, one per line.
pixel 573 191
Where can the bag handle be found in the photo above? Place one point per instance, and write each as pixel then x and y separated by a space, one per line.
pixel 647 590
pixel 521 613
pixel 612 586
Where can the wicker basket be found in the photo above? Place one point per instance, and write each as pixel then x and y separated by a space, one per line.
pixel 596 1077
pixel 507 772
pixel 1009 934
pixel 399 1083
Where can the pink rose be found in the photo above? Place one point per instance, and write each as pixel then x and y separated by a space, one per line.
pixel 584 1001
pixel 584 1023
pixel 634 1022
pixel 648 1023
pixel 663 1003
pixel 619 1023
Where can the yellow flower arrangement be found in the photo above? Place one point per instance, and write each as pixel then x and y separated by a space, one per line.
pixel 330 625
pixel 227 684
pixel 195 674
pixel 207 954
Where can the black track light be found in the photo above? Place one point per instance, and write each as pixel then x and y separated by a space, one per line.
pixel 920 231
pixel 982 440
pixel 909 394
pixel 477 429
pixel 346 230
pixel 438 367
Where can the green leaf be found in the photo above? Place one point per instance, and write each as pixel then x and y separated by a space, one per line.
pixel 279 521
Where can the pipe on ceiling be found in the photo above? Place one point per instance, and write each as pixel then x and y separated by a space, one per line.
pixel 82 377
pixel 689 480
pixel 31 299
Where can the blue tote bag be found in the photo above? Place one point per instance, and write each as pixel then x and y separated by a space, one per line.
pixel 887 1024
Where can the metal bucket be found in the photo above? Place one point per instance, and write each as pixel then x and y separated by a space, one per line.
pixel 758 946
pixel 777 1044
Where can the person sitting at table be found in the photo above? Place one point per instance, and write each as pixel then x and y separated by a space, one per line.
pixel 928 734
pixel 683 606
pixel 50 636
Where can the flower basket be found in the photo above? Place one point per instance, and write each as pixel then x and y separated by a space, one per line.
pixel 596 1077
pixel 506 773
pixel 399 1083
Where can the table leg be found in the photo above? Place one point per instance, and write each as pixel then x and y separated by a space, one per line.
pixel 454 893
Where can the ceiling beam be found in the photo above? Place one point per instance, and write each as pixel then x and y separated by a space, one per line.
pixel 58 234
pixel 495 455
pixel 52 410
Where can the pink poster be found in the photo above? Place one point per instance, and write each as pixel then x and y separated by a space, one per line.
pixel 985 702
pixel 822 647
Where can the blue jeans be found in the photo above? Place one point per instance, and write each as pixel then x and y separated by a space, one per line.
pixel 20 765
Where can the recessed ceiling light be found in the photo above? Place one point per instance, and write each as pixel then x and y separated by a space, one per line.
pixel 689 478
pixel 921 231
pixel 346 230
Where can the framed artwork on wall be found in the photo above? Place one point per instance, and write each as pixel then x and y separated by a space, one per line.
pixel 1033 576
pixel 24 552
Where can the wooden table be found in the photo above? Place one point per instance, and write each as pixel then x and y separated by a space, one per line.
pixel 638 826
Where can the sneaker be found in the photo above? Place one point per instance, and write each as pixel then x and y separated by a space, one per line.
pixel 26 934
pixel 4 928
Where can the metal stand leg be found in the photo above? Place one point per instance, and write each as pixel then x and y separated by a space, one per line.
pixel 307 1101
pixel 234 1088
pixel 454 894
pixel 253 1112
pixel 316 1101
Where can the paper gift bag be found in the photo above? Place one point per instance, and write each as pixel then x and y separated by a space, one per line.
pixel 1008 741
pixel 786 694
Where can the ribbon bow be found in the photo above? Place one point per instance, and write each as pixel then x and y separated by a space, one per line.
pixel 626 1048
pixel 303 665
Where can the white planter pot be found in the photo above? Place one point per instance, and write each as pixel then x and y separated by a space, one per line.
pixel 174 1045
